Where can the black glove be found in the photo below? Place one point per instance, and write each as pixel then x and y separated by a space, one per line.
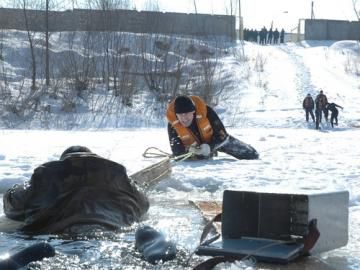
pixel 153 245
pixel 33 253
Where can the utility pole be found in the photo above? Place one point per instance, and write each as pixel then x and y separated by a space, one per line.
pixel 241 34
pixel 312 10
pixel 47 67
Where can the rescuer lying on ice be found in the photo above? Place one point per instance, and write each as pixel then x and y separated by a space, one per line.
pixel 194 127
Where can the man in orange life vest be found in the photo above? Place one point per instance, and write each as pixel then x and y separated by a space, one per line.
pixel 196 128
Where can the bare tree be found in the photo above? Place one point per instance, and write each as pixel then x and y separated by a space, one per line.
pixel 79 65
pixel 124 82
pixel 204 76
pixel 45 5
pixel 33 66
pixel 49 4
pixel 195 8
pixel 5 93
pixel 1 45
pixel 110 40
pixel 162 65
pixel 231 8
pixel 108 4
pixel 152 5
pixel 209 63
pixel 151 61
pixel 47 69
pixel 116 63
pixel 127 82
pixel 356 6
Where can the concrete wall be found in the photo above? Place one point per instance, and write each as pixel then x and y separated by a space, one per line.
pixel 331 30
pixel 121 20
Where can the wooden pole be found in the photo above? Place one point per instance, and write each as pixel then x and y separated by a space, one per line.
pixel 241 34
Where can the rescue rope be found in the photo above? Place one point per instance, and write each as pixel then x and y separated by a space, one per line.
pixel 154 152
pixel 150 153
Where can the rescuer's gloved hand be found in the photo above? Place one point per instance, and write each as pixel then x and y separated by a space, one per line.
pixel 202 150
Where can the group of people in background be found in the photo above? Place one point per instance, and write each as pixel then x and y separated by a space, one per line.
pixel 321 106
pixel 264 36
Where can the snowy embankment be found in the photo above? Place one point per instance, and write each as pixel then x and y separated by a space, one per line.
pixel 263 109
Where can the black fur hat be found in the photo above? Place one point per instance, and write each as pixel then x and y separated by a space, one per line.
pixel 74 149
pixel 184 104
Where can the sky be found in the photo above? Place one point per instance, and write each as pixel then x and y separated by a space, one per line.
pixel 261 107
pixel 257 13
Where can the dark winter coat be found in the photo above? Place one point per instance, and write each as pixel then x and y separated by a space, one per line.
pixel 332 107
pixel 321 101
pixel 308 103
pixel 282 35
pixel 81 189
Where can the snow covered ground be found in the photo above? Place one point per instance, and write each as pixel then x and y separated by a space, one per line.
pixel 264 110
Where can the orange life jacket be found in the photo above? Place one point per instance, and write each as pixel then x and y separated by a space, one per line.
pixel 185 134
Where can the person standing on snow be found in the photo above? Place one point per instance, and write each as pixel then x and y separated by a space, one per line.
pixel 282 35
pixel 318 113
pixel 276 36
pixel 270 36
pixel 334 113
pixel 308 105
pixel 263 35
pixel 80 189
pixel 194 127
pixel 321 102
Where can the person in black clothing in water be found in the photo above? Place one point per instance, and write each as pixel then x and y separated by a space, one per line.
pixel 78 191
pixel 332 107
pixel 194 127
